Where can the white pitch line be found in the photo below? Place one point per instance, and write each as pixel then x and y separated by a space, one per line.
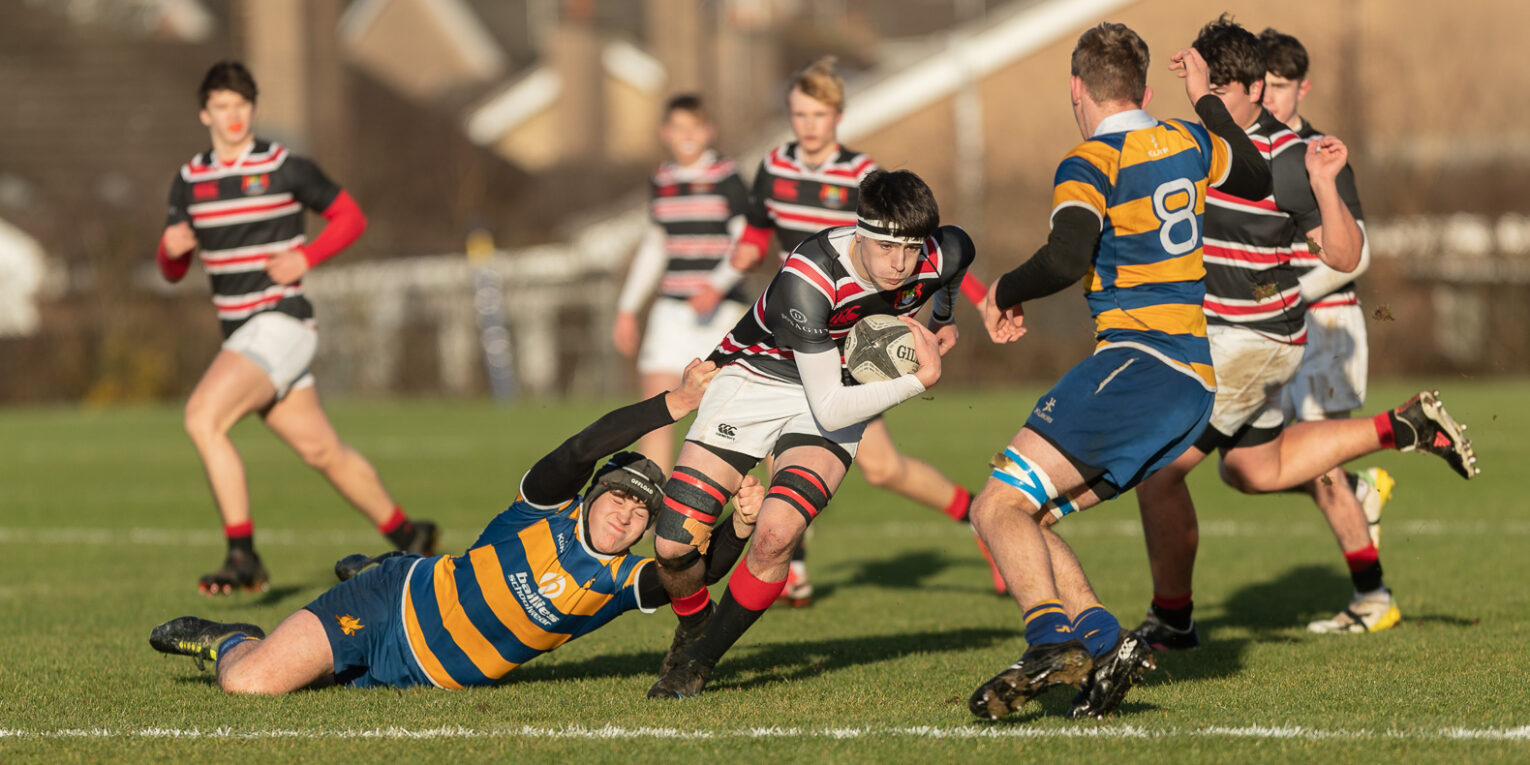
pixel 612 732
pixel 361 537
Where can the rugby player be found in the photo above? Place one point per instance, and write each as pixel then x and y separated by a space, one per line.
pixel 1257 331
pixel 552 567
pixel 1126 217
pixel 782 392
pixel 239 207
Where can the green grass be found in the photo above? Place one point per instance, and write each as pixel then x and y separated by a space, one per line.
pixel 105 524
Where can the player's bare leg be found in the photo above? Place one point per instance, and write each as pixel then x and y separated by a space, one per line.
pixel 887 468
pixel 299 420
pixel 232 387
pixel 1172 534
pixel 659 444
pixel 294 656
pixel 805 478
pixel 1301 453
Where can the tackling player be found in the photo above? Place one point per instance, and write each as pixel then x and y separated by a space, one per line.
pixel 1126 217
pixel 239 206
pixel 802 187
pixel 782 393
pixel 1257 329
pixel 553 566
pixel 697 208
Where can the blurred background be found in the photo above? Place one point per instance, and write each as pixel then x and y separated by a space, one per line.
pixel 533 122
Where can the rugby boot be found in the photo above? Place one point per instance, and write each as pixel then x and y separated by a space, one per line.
pixel 1113 675
pixel 1422 424
pixel 198 638
pixel 1162 637
pixel 426 534
pixel 798 591
pixel 355 564
pixel 241 571
pixel 1371 612
pixel 685 679
pixel 1039 668
pixel 685 636
pixel 1374 491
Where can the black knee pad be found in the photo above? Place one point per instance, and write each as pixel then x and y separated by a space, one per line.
pixel 803 489
pixel 692 503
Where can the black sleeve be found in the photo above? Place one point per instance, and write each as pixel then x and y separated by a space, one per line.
pixel 178 212
pixel 757 214
pixel 958 248
pixel 797 313
pixel 1063 260
pixel 560 475
pixel 1350 193
pixel 1249 175
pixel 722 552
pixel 1293 189
pixel 732 189
pixel 309 184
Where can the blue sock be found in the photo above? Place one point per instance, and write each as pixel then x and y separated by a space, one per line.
pixel 1047 622
pixel 1097 628
pixel 231 641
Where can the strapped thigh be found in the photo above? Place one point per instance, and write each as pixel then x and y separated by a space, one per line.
pixel 803 489
pixel 692 503
pixel 1015 469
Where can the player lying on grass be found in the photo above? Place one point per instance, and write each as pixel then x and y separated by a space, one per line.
pixel 552 567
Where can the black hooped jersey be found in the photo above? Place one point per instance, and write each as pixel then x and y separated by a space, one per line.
pixel 816 297
pixel 799 201
pixel 1250 279
pixel 1303 258
pixel 242 213
pixel 694 205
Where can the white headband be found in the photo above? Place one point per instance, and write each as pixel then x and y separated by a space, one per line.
pixel 876 229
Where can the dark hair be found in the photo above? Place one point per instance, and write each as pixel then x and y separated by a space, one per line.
pixel 901 199
pixel 1284 55
pixel 227 75
pixel 1232 53
pixel 1113 63
pixel 687 102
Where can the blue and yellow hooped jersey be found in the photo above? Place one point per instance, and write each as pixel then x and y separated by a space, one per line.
pixel 1148 187
pixel 528 585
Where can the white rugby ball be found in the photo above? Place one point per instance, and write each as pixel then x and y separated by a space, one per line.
pixel 880 347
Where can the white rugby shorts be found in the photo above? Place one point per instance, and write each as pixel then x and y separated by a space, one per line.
pixel 1333 374
pixel 1251 372
pixel 281 345
pixel 675 334
pixel 747 413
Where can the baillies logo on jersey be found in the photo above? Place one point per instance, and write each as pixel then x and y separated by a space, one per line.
pixel 833 196
pixel 908 297
pixel 551 585
pixel 256 184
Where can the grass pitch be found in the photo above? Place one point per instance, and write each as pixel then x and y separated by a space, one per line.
pixel 107 523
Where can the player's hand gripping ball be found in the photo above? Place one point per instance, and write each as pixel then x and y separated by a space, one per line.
pixel 880 347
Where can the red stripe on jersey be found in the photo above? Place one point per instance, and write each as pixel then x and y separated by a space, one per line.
pixel 795 265
pixel 231 307
pixel 216 261
pixel 1246 256
pixel 813 222
pixel 1335 302
pixel 243 210
pixel 1275 303
pixel 1268 203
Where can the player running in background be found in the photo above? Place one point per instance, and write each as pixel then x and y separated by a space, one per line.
pixel 1331 381
pixel 697 209
pixel 1257 331
pixel 552 567
pixel 240 207
pixel 802 187
pixel 782 393
pixel 1126 217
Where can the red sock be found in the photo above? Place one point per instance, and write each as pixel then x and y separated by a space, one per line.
pixel 1383 423
pixel 239 530
pixel 1361 559
pixel 960 503
pixel 394 521
pixel 751 592
pixel 692 603
pixel 1171 604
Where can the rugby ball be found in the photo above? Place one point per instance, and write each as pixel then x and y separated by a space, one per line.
pixel 880 347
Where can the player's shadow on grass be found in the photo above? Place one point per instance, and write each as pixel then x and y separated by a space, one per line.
pixel 912 571
pixel 778 662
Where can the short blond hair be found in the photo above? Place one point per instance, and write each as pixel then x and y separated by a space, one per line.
pixel 820 82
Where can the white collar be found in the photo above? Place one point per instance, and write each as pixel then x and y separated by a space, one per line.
pixel 1121 122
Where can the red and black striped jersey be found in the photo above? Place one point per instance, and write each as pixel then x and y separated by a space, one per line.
pixel 816 297
pixel 242 212
pixel 799 201
pixel 1302 257
pixel 1250 279
pixel 693 205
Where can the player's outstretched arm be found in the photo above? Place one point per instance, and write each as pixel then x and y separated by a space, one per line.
pixel 175 245
pixel 1248 173
pixel 560 475
pixel 1061 262
pixel 1339 239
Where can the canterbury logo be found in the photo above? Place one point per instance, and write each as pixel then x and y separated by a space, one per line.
pixel 726 431
pixel 551 585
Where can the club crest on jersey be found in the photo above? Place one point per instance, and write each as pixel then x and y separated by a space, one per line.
pixel 833 196
pixel 256 184
pixel 783 189
pixel 908 297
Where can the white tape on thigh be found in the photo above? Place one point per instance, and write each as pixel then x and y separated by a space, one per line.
pixel 1014 469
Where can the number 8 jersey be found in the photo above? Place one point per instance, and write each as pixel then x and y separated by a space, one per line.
pixel 1148 188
